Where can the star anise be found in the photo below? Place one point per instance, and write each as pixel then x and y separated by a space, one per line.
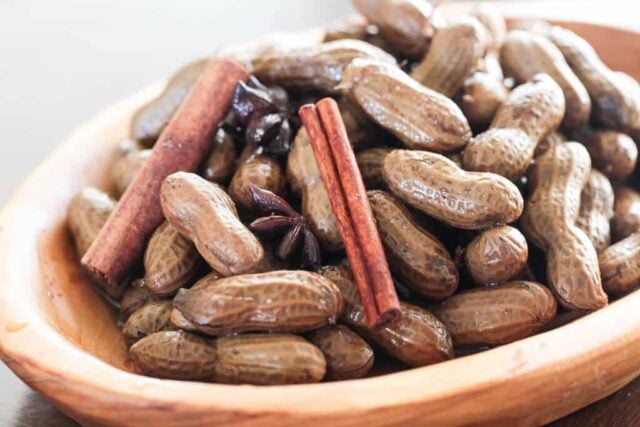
pixel 281 219
pixel 262 113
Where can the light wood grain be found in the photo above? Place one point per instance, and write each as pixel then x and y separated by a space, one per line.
pixel 61 337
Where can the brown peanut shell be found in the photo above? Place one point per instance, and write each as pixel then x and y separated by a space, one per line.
pixel 453 55
pixel 420 117
pixel 263 172
pixel 149 121
pixel 524 54
pixel 415 255
pixel 596 210
pixel 370 165
pixel 614 153
pixel 134 298
pixel 496 315
pixel 436 186
pixel 417 338
pixel 626 212
pixel 304 177
pixel 496 255
pixel 171 261
pixel 279 301
pixel 274 359
pixel 317 67
pixel 549 221
pixel 205 213
pixel 219 165
pixel 126 168
pixel 148 319
pixel 530 112
pixel 482 96
pixel 86 215
pixel 620 266
pixel 407 26
pixel 175 355
pixel 615 99
pixel 348 356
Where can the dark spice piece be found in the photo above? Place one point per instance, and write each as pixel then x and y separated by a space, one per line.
pixel 262 113
pixel 280 218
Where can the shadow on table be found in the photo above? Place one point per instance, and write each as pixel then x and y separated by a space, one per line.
pixel 35 410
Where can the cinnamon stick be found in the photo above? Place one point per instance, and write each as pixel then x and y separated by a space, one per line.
pixel 322 151
pixel 358 202
pixel 181 147
pixel 350 204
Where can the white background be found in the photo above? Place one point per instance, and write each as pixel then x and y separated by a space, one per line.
pixel 62 61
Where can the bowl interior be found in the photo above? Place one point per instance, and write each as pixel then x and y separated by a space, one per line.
pixel 74 308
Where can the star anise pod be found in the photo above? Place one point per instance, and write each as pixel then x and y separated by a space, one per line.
pixel 281 219
pixel 262 112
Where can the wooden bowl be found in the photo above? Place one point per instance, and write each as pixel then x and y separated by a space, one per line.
pixel 61 337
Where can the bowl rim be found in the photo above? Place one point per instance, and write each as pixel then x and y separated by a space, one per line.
pixel 586 352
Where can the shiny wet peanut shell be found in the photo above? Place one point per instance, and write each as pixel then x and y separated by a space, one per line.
pixel 348 356
pixel 498 314
pixel 278 301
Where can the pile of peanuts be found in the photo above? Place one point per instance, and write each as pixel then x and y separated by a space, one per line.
pixel 499 167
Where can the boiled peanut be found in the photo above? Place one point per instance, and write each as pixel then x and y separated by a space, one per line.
pixel 370 165
pixel 549 221
pixel 126 168
pixel 359 129
pixel 616 102
pixel 415 255
pixel 626 212
pixel 494 22
pixel 87 213
pixel 524 54
pixel 348 356
pixel 304 177
pixel 406 25
pixel 596 210
pixel 268 360
pixel 553 139
pixel 620 265
pixel 614 153
pixel 529 113
pixel 219 165
pixel 261 171
pixel 171 261
pixel 482 96
pixel 315 68
pixel 496 255
pixel 134 298
pixel 279 301
pixel 175 355
pixel 204 213
pixel 149 319
pixel 417 338
pixel 435 185
pixel 179 321
pixel 497 315
pixel 420 117
pixel 453 55
pixel 357 28
pixel 150 119
pixel 536 107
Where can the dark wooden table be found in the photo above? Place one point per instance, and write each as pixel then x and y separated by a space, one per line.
pixel 22 407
